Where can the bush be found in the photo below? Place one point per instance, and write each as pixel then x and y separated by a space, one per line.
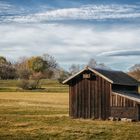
pixel 24 84
pixel 33 85
pixel 28 85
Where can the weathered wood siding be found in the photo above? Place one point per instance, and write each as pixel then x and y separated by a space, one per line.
pixel 89 98
pixel 118 101
pixel 122 107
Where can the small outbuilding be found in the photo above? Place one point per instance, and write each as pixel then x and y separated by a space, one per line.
pixel 100 94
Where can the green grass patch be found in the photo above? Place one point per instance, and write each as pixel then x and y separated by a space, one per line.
pixel 46 86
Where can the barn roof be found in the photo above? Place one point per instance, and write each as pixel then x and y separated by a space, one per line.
pixel 114 77
pixel 129 95
pixel 118 77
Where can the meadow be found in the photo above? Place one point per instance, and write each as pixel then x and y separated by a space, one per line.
pixel 44 116
pixel 46 86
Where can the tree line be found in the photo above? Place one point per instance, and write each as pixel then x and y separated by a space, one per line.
pixel 31 70
pixel 133 71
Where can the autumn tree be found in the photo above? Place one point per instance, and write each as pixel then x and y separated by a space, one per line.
pixel 22 68
pixel 37 64
pixel 134 71
pixel 3 60
pixel 37 67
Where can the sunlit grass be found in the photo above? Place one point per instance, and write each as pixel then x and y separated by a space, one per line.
pixel 42 116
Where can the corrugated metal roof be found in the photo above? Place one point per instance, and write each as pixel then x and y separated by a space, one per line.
pixel 118 77
pixel 128 94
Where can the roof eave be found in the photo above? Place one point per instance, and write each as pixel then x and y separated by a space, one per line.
pixel 71 77
pixel 128 97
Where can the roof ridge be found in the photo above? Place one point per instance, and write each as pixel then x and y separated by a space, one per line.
pixel 108 70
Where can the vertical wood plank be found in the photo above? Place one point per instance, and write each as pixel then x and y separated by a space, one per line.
pixel 86 98
pixel 69 100
pixel 79 94
pixel 93 98
pixel 83 101
pixel 96 99
pixel 89 96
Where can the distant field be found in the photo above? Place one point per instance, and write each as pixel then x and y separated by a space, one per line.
pixel 44 116
pixel 47 86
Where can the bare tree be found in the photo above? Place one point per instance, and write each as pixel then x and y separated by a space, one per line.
pixel 74 69
pixel 63 75
pixel 50 60
pixel 103 66
pixel 92 63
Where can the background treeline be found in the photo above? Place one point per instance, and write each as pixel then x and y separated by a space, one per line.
pixel 30 71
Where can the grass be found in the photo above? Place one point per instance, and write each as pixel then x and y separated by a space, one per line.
pixel 44 116
pixel 47 86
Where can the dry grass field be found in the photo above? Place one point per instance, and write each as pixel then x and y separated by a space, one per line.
pixel 44 116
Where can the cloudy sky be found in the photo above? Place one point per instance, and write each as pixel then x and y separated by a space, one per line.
pixel 73 31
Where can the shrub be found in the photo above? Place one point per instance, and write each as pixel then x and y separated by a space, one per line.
pixel 33 85
pixel 28 85
pixel 24 84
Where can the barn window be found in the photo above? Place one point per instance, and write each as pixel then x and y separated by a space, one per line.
pixel 86 76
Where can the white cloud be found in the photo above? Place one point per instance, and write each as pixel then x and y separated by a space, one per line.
pixel 85 12
pixel 70 44
pixel 122 53
pixel 12 13
pixel 117 46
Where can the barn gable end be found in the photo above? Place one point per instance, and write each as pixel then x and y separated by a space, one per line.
pixel 85 69
pixel 89 96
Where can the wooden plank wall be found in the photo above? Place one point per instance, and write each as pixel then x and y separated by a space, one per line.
pixel 89 98
pixel 118 101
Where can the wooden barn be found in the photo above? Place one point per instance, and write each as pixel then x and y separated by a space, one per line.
pixel 100 94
